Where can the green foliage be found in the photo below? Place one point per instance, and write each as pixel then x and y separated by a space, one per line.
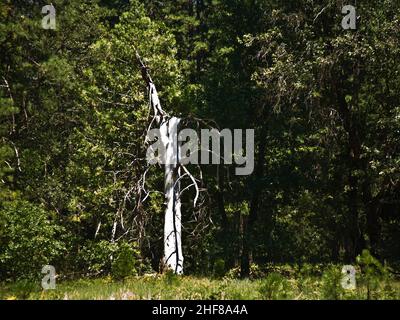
pixel 126 261
pixel 219 292
pixel 233 273
pixel 219 268
pixel 308 269
pixel 171 278
pixel 256 271
pixel 323 103
pixel 29 239
pixel 7 110
pixel 373 273
pixel 331 287
pixel 171 286
pixel 287 270
pixel 23 288
pixel 95 257
pixel 275 287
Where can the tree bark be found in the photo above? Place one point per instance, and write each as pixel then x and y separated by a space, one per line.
pixel 173 257
pixel 249 221
pixel 354 242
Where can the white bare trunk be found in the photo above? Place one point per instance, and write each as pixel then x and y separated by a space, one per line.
pixel 173 258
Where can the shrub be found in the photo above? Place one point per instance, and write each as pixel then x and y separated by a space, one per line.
pixel 308 287
pixel 372 273
pixel 126 261
pixel 256 272
pixel 171 278
pixel 95 257
pixel 219 291
pixel 310 270
pixel 219 268
pixel 28 240
pixel 145 266
pixel 233 273
pixel 102 257
pixel 22 289
pixel 275 287
pixel 331 288
pixel 286 270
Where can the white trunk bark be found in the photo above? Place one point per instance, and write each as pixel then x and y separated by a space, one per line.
pixel 173 257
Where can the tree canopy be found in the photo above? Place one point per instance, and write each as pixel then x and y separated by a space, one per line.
pixel 323 101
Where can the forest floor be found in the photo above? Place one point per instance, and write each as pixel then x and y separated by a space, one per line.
pixel 181 288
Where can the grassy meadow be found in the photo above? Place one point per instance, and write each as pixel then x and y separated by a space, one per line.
pixel 170 287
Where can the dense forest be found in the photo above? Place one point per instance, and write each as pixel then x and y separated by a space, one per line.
pixel 324 103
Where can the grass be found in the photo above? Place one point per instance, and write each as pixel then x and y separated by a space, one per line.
pixel 134 288
pixel 187 287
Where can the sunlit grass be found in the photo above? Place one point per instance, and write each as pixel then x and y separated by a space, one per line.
pixel 135 288
pixel 156 287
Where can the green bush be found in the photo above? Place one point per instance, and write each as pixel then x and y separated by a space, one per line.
pixel 256 272
pixel 286 270
pixel 310 270
pixel 171 278
pixel 275 287
pixel 308 287
pixel 126 261
pixel 28 240
pixel 233 273
pixel 219 268
pixel 373 273
pixel 331 288
pixel 102 257
pixel 95 257
pixel 23 288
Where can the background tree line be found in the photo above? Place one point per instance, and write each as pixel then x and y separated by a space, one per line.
pixel 74 110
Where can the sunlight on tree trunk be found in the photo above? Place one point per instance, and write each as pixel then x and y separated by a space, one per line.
pixel 173 258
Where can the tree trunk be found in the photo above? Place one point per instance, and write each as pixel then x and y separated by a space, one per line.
pixel 173 257
pixel 248 223
pixel 354 242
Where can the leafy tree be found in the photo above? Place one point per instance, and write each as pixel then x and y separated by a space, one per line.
pixel 29 240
